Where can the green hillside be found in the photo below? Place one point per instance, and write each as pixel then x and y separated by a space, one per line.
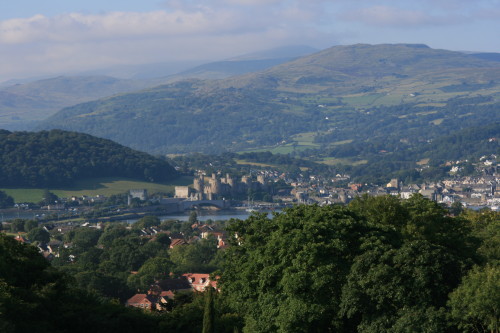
pixel 60 158
pixel 34 101
pixel 342 93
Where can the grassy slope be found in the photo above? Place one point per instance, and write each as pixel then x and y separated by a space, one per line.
pixel 95 186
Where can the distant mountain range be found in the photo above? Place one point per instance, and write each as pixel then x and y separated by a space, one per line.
pixel 342 94
pixel 23 104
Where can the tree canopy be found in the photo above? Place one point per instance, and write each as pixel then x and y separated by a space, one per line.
pixel 381 264
pixel 54 158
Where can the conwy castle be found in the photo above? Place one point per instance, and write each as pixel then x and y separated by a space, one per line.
pixel 216 189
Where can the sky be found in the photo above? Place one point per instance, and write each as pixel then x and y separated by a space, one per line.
pixel 60 37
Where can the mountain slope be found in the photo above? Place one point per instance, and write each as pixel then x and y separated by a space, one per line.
pixel 39 99
pixel 247 63
pixel 402 88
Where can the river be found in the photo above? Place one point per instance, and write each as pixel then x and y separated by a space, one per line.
pixel 204 215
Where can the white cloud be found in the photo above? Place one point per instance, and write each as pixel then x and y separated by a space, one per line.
pixel 84 41
pixel 385 16
pixel 218 29
pixel 80 27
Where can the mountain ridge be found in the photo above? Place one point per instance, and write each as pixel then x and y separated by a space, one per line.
pixel 329 91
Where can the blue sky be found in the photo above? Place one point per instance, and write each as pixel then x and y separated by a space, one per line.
pixel 54 37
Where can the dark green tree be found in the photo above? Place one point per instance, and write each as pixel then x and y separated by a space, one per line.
pixel 193 217
pixel 157 268
pixel 30 224
pixel 17 225
pixel 456 208
pixel 163 239
pixel 475 304
pixel 111 233
pixel 49 198
pixel 147 222
pixel 39 235
pixel 85 238
pixel 6 201
pixel 36 297
pixel 209 312
pixel 286 273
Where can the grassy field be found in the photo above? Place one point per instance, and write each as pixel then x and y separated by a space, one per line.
pixel 284 149
pixel 243 162
pixel 338 143
pixel 95 186
pixel 424 161
pixel 305 139
pixel 334 161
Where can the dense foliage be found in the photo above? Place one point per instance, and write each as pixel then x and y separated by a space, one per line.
pixel 34 297
pixel 6 201
pixel 378 265
pixel 55 158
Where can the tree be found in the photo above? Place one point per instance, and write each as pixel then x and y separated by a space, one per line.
pixel 85 238
pixel 400 286
pixel 6 201
pixel 197 257
pixel 36 297
pixel 48 198
pixel 90 259
pixel 153 269
pixel 17 225
pixel 380 264
pixel 111 233
pixel 30 224
pixel 125 254
pixel 39 234
pixel 193 218
pixel 163 239
pixel 475 303
pixel 286 273
pixel 209 313
pixel 456 208
pixel 147 222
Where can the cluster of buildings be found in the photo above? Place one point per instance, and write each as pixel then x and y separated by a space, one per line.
pixel 480 191
pixel 216 188
pixel 162 292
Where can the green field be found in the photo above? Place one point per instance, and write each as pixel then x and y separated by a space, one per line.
pixel 243 162
pixel 335 161
pixel 95 186
pixel 284 149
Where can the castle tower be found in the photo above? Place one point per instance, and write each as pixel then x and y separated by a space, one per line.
pixel 198 184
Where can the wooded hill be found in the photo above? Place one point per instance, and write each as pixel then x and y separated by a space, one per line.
pixel 55 158
pixel 339 94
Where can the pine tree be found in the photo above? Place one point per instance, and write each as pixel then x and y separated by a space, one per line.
pixel 208 315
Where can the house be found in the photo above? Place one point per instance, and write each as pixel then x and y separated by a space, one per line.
pixel 22 239
pixel 176 242
pixel 200 282
pixel 220 236
pixel 143 301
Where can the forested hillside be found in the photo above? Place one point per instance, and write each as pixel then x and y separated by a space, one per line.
pixel 358 92
pixel 54 158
